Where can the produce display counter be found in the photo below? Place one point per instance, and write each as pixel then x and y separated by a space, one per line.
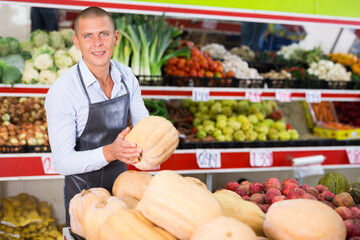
pixel 169 92
pixel 192 161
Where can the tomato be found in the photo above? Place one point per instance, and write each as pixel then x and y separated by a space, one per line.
pixel 194 52
pixel 230 73
pixel 193 73
pixel 219 68
pixel 173 61
pixel 181 63
pixel 196 66
pixel 204 65
pixel 201 73
pixel 169 72
pixel 217 74
pixel 209 74
pixel 212 66
pixel 187 69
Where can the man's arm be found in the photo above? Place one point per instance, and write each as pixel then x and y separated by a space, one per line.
pixel 61 120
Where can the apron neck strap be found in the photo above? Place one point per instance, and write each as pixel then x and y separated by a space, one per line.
pixel 82 83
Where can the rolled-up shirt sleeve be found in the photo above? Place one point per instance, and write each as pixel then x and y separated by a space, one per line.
pixel 61 121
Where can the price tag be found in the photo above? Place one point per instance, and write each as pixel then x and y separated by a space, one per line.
pixel 353 154
pixel 313 96
pixel 308 170
pixel 48 164
pixel 261 158
pixel 208 24
pixel 200 95
pixel 283 96
pixel 253 96
pixel 208 158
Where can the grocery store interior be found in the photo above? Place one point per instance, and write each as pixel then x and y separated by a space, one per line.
pixel 281 103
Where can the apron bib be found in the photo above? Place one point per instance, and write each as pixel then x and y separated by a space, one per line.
pixel 105 121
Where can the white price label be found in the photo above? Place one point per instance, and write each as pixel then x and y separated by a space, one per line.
pixel 253 96
pixel 48 164
pixel 200 95
pixel 283 96
pixel 261 158
pixel 208 158
pixel 208 24
pixel 313 96
pixel 353 154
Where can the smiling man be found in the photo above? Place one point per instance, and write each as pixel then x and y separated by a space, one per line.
pixel 87 109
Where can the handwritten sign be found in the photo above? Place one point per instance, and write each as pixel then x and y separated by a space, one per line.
pixel 313 96
pixel 283 96
pixel 261 158
pixel 353 154
pixel 48 164
pixel 208 158
pixel 200 95
pixel 253 95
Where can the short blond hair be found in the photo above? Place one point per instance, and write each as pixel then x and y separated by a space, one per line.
pixel 92 12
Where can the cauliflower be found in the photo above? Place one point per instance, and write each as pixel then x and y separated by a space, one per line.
pixel 61 71
pixel 4 47
pixel 47 77
pixel 57 40
pixel 215 50
pixel 63 59
pixel 43 61
pixel 68 36
pixel 39 38
pixel 30 76
pixel 29 64
pixel 75 54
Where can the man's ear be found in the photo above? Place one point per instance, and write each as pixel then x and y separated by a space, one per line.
pixel 76 42
pixel 116 37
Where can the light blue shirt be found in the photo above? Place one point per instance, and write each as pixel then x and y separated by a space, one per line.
pixel 67 109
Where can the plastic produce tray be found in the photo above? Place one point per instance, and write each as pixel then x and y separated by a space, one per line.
pixel 12 149
pixel 150 80
pixel 38 148
pixel 201 81
pixel 269 144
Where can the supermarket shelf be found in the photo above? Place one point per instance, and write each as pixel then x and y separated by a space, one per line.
pixel 30 166
pixel 162 92
pixel 234 12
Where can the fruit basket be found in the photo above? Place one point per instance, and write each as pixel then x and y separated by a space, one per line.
pixel 12 149
pixel 201 81
pixel 38 148
pixel 149 80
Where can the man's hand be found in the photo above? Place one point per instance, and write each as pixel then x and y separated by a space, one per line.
pixel 122 150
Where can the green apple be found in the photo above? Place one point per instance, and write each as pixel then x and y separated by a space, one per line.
pixel 221 124
pixel 221 117
pixel 201 134
pixel 294 135
pixel 239 136
pixel 235 125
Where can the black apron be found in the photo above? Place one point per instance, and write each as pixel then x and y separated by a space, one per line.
pixel 105 121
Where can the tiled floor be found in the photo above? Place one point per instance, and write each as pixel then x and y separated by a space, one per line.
pixel 15 21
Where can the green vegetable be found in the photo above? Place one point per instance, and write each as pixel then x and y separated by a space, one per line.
pixel 4 47
pixel 57 40
pixel 40 38
pixel 10 75
pixel 14 44
pixel 68 36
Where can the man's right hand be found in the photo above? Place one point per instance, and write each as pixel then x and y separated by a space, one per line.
pixel 122 150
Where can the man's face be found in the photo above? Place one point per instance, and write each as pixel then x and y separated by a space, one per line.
pixel 96 40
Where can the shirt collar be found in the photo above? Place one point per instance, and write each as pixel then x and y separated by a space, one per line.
pixel 89 78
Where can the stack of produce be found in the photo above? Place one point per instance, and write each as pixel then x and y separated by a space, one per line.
pixel 146 43
pixel 231 120
pixel 9 45
pixel 244 52
pixel 347 59
pixel 191 212
pixel 294 54
pixel 9 74
pixel 327 70
pixel 50 55
pixel 348 112
pixel 25 218
pixel 188 212
pixel 272 191
pixel 23 121
pixel 199 65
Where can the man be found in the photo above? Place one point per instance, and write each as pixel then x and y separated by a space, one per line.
pixel 87 109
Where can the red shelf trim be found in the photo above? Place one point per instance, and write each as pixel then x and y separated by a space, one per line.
pixel 197 10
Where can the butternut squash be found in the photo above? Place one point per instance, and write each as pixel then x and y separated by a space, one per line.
pixel 79 203
pixel 158 139
pixel 131 183
pixel 224 228
pixel 177 205
pixel 97 213
pixel 130 224
pixel 303 219
pixel 247 212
